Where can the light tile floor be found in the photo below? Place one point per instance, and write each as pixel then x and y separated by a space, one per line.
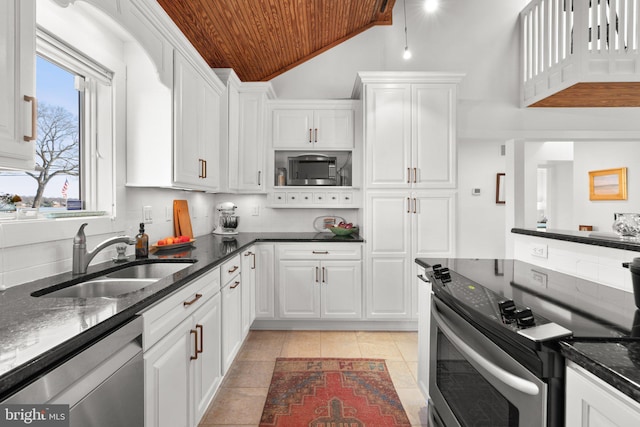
pixel 241 396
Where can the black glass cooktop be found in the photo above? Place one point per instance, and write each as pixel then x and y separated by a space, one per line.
pixel 485 288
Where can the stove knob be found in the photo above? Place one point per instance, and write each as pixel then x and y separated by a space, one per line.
pixel 445 276
pixel 507 308
pixel 437 270
pixel 524 318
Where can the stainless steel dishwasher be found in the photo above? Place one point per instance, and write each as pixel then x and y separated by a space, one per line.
pixel 103 385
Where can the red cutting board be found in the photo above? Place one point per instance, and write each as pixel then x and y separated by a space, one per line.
pixel 181 219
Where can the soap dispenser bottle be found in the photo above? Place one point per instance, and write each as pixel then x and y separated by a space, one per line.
pixel 142 243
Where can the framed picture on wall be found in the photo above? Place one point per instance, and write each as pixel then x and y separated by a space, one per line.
pixel 500 189
pixel 608 184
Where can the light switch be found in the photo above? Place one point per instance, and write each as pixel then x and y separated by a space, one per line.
pixel 147 217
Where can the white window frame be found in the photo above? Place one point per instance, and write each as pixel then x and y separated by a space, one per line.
pixel 96 124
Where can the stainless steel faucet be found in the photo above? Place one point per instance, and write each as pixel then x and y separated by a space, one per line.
pixel 82 257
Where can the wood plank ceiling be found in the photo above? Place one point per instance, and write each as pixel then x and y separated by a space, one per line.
pixel 261 39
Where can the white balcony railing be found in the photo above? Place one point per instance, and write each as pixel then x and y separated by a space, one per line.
pixel 565 42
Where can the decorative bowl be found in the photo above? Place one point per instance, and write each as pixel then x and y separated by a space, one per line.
pixel 339 231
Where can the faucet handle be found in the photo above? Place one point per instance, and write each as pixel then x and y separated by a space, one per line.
pixel 80 237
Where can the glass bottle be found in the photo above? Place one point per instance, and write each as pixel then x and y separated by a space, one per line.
pixel 142 243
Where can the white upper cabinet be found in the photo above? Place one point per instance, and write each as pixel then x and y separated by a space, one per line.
pixel 18 105
pixel 313 125
pixel 410 136
pixel 196 128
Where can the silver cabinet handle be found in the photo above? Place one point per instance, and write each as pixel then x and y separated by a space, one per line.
pixel 316 132
pixel 415 205
pixel 34 118
pixel 408 175
pixel 253 267
pixel 415 175
pixel 317 275
pixel 408 205
pixel 259 178
pixel 320 252
pixel 510 380
pixel 310 136
pixel 323 279
pixel 424 279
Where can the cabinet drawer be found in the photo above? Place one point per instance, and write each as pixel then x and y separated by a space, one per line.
pixel 230 269
pixel 162 317
pixel 321 251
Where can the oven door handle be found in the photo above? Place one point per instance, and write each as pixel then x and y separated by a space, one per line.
pixel 507 378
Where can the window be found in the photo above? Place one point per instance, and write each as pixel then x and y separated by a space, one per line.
pixel 72 90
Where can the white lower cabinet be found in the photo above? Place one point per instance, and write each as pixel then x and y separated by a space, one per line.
pixel 182 363
pixel 231 312
pixel 403 226
pixel 265 281
pixel 590 402
pixel 248 261
pixel 424 330
pixel 328 284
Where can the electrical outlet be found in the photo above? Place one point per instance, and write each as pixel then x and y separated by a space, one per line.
pixel 538 278
pixel 147 216
pixel 539 251
pixel 255 211
pixel 168 213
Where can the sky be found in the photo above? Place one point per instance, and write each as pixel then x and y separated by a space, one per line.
pixel 54 85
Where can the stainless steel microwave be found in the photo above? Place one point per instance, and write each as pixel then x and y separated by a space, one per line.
pixel 312 169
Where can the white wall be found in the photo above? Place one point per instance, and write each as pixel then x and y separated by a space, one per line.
pixel 480 223
pixel 598 155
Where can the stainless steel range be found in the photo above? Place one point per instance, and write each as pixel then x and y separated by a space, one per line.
pixel 495 332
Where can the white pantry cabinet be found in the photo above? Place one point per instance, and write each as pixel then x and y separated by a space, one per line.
pixel 590 402
pixel 196 141
pixel 313 125
pixel 320 281
pixel 403 226
pixel 182 358
pixel 410 123
pixel 18 105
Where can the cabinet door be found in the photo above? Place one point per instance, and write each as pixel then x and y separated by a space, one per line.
pixel 333 129
pixel 265 281
pixel 590 402
pixel 209 144
pixel 249 175
pixel 341 295
pixel 299 289
pixel 388 135
pixel 292 128
pixel 388 290
pixel 231 322
pixel 207 368
pixel 167 369
pixel 17 80
pixel 433 225
pixel 188 100
pixel 424 332
pixel 433 135
pixel 248 289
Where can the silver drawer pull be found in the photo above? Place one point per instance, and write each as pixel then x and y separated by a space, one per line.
pixel 235 267
pixel 321 252
pixel 235 285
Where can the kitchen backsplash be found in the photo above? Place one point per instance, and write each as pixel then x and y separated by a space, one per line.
pixel 33 251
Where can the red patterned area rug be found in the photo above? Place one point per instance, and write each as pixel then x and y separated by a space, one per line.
pixel 332 393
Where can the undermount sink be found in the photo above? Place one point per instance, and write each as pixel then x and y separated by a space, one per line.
pixel 101 287
pixel 116 283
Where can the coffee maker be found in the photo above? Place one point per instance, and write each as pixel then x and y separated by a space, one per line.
pixel 227 219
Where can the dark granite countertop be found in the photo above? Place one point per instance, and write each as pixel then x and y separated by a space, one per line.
pixel 37 333
pixel 615 362
pixel 596 238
